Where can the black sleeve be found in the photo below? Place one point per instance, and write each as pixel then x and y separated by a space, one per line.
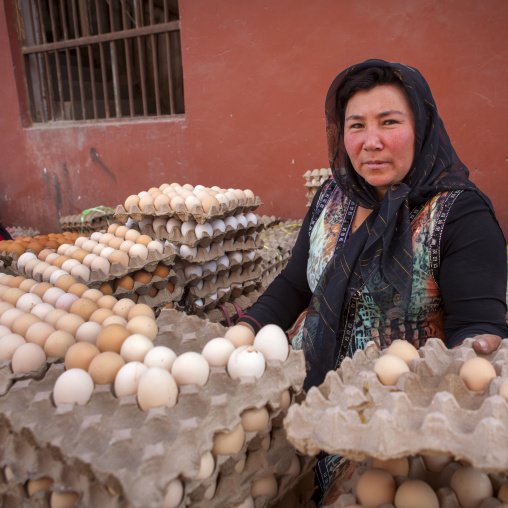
pixel 289 294
pixel 472 275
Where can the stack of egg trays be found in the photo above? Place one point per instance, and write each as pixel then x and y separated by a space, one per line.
pixel 115 455
pixel 242 302
pixel 91 222
pixel 430 410
pixel 279 240
pixel 313 180
pixel 197 213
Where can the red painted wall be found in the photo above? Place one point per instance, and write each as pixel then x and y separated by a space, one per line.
pixel 255 77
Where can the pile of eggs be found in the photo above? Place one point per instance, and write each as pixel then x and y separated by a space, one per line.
pixel 314 179
pixel 36 244
pixel 425 482
pixel 173 197
pixel 40 321
pixel 135 366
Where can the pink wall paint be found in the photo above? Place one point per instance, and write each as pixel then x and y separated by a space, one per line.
pixel 255 78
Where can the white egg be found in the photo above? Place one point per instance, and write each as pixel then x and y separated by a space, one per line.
pixel 156 388
pixel 188 226
pixel 210 265
pixel 246 361
pixel 174 494
pixel 235 256
pixel 231 221
pixel 188 252
pixel 155 245
pixel 9 343
pixel 88 332
pixel 190 369
pixel 159 222
pixel 127 378
pixel 24 259
pixel 173 223
pixel 219 225
pixel 240 218
pixel 27 302
pixel 251 217
pixel 74 386
pixel 272 342
pixel 222 199
pixel 199 302
pixel 217 351
pixel 202 229
pixel 160 356
pixel 55 275
pixel 135 347
pixel 191 270
pixel 223 260
pixel 200 284
pixel 146 221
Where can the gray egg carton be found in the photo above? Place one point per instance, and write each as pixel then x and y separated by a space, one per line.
pixel 115 455
pixel 430 410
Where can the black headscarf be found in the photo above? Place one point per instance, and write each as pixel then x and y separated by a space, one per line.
pixel 379 254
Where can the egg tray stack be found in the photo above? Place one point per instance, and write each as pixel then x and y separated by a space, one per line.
pixel 430 410
pixel 16 231
pixel 115 455
pixel 313 180
pixel 279 240
pixel 88 221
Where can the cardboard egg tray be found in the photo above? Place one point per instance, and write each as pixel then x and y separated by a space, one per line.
pixel 175 235
pixel 242 302
pixel 440 483
pixel 16 231
pixel 313 180
pixel 113 454
pixel 89 223
pixel 183 214
pixel 430 410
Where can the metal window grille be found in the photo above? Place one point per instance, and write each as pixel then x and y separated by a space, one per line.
pixel 102 59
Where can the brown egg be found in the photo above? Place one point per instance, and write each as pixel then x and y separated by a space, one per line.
pixel 143 325
pixel 142 276
pixel 69 323
pixel 65 282
pixel 16 281
pixel 16 248
pixel 27 284
pixel 132 235
pixel 152 292
pixel 80 355
pixel 122 307
pixel 145 201
pixel 140 309
pixel 60 260
pixel 375 487
pixel 12 295
pixel 115 242
pixel 4 306
pixel 161 271
pixel 120 232
pixel 131 201
pixel 58 343
pixel 476 373
pixel 92 294
pixel 38 333
pixel 106 238
pixel 107 302
pixel 22 323
pixel 208 202
pixel 84 307
pixel 120 257
pixel 160 200
pixel 3 289
pixel 27 357
pixel 106 289
pixel 105 366
pixel 143 240
pixel 79 255
pixel 43 254
pixel 396 467
pixel 6 279
pixel 77 289
pixel 134 297
pixel 100 315
pixel 40 288
pixel 113 227
pixel 125 282
pixel 112 337
pixel 53 316
pixel 52 244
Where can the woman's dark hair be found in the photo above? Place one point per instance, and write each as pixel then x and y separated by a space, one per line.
pixel 366 80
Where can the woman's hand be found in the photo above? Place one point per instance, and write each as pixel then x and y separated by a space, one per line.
pixel 486 343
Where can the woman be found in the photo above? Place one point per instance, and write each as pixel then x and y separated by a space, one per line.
pixel 399 245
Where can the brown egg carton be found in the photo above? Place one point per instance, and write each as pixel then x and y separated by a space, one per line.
pixel 197 213
pixel 429 410
pixel 138 453
pixel 440 483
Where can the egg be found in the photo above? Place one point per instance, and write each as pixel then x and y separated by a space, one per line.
pixel 92 294
pixel 78 289
pixel 204 230
pixel 27 358
pixel 415 494
pixel 12 295
pixel 229 443
pixel 470 486
pixel 5 306
pixel 123 306
pixel 52 295
pixel 246 361
pixel 83 307
pixel 190 369
pixel 24 259
pixel 88 332
pixel 233 199
pixel 208 203
pixel 41 484
pixel 132 235
pixel 74 386
pixel 155 246
pixel 80 355
pixel 375 488
pixel 9 316
pixel 191 202
pixel 477 373
pixel 138 250
pixel 224 261
pixel 188 226
pixel 8 345
pixel 65 301
pixel 27 302
pixel 70 264
pixel 193 270
pixel 4 331
pixel 104 367
pixel 38 333
pixel 132 200
pixel 106 253
pixel 128 377
pixel 403 349
pixel 69 323
pixel 272 342
pixel 156 388
pixel 58 343
pixel 389 368
pixel 53 316
pixel 240 335
pixel 255 419
pixel 436 463
pixel 144 325
pixel 502 494
pixel 160 356
pixel 174 494
pixel 101 265
pixel 89 259
pixel 22 323
pixel 140 309
pixel 264 486
pixel 217 351
pixel 111 338
pixel 251 218
pixel 135 347
pixel 89 245
pixel 188 252
pixel 100 315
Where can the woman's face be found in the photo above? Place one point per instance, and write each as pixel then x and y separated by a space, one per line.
pixel 379 136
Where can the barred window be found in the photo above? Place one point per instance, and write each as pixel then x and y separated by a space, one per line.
pixel 101 59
